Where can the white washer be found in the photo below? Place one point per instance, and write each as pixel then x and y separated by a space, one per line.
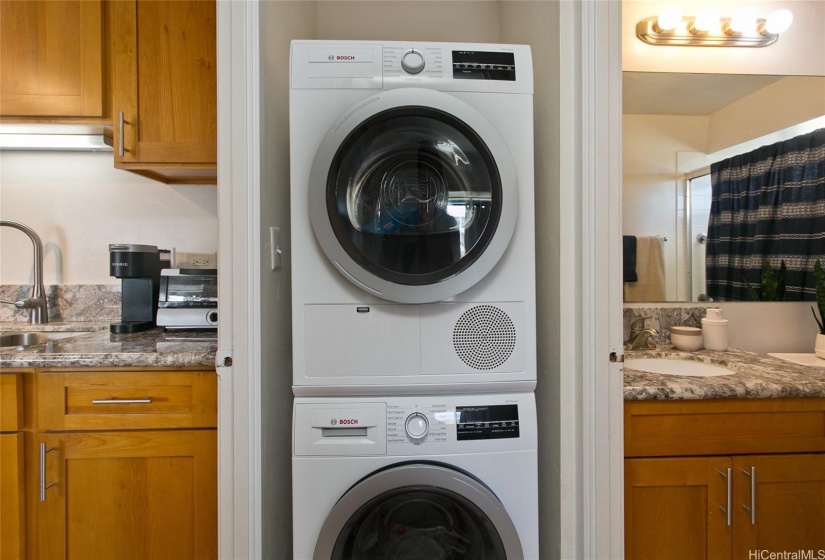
pixel 415 477
pixel 413 256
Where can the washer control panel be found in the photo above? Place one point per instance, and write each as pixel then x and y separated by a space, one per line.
pixel 441 422
pixel 428 425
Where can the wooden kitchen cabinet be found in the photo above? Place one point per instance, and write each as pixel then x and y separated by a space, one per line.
pixel 129 462
pixel 52 59
pixel 164 89
pixel 684 499
pixel 129 495
pixel 12 467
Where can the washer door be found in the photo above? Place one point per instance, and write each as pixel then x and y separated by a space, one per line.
pixel 413 196
pixel 418 510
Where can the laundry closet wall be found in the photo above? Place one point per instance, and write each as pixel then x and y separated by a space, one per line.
pixel 532 23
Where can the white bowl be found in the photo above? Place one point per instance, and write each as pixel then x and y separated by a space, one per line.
pixel 686 338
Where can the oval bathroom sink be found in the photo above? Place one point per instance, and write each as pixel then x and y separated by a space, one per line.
pixel 687 368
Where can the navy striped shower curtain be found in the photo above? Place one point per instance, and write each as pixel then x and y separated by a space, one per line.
pixel 767 204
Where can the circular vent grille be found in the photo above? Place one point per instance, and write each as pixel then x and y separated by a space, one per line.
pixel 484 337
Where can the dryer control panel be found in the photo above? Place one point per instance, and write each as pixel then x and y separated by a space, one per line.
pixel 396 64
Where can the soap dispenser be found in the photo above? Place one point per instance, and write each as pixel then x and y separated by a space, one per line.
pixel 715 330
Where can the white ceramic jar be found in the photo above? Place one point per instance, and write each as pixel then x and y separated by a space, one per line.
pixel 686 338
pixel 715 330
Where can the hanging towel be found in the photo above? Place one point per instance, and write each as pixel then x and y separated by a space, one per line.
pixel 629 258
pixel 650 268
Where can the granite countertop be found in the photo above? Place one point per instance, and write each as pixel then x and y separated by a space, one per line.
pixel 757 376
pixel 95 346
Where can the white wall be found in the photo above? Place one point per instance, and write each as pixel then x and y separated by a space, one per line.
pixel 799 51
pixel 78 203
pixel 650 190
pixel 280 22
pixel 783 104
pixel 456 21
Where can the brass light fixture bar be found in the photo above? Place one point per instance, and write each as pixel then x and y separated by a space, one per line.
pixel 669 28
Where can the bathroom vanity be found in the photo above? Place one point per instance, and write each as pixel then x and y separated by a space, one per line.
pixel 723 467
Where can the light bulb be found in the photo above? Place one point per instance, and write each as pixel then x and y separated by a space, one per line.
pixel 706 19
pixel 779 21
pixel 743 21
pixel 669 18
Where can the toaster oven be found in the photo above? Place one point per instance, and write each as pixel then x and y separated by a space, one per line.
pixel 188 298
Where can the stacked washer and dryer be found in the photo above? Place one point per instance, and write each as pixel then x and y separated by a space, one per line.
pixel 413 285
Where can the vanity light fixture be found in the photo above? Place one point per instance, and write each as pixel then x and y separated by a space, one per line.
pixel 709 29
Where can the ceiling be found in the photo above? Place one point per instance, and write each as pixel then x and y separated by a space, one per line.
pixel 661 93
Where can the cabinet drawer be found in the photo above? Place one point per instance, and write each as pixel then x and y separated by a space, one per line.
pixel 724 427
pixel 11 402
pixel 95 400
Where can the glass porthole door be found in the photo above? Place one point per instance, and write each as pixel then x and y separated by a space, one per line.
pixel 413 197
pixel 418 511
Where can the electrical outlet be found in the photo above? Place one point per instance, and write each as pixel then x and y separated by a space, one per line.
pixel 196 260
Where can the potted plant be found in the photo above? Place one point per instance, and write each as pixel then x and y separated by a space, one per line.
pixel 772 287
pixel 819 275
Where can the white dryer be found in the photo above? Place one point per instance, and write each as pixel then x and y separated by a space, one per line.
pixel 413 255
pixel 410 477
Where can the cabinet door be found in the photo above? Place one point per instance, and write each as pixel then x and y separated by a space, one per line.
pixel 779 504
pixel 677 508
pixel 51 54
pixel 12 512
pixel 129 495
pixel 164 86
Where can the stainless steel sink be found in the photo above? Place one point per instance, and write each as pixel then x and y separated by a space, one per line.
pixel 25 339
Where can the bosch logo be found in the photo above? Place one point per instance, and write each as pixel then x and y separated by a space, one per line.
pixel 331 57
pixel 333 422
pixel 348 421
pixel 345 57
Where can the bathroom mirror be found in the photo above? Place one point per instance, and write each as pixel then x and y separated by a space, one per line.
pixel 674 127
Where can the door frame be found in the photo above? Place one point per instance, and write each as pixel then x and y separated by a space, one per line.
pixel 590 322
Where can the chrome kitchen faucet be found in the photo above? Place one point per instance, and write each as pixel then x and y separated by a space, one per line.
pixel 39 313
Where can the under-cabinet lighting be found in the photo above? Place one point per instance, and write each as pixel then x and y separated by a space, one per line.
pixel 53 137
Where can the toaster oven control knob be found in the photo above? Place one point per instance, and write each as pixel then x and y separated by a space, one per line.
pixel 412 62
pixel 417 426
pixel 212 317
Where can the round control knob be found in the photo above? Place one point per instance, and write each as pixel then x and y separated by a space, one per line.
pixel 412 62
pixel 212 317
pixel 417 426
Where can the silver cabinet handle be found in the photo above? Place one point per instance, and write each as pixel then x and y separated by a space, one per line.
pixel 43 485
pixel 115 400
pixel 727 509
pixel 752 508
pixel 120 148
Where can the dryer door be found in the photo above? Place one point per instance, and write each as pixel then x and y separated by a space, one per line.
pixel 413 196
pixel 418 510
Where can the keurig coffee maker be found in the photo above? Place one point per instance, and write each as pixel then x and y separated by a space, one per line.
pixel 138 266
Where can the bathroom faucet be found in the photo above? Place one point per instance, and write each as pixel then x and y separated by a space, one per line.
pixel 640 337
pixel 39 313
